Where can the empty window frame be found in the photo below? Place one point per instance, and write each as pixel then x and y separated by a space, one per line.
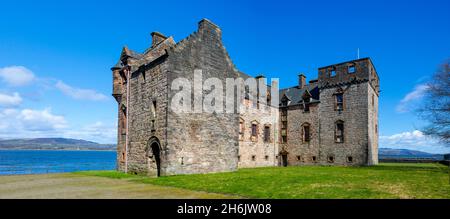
pixel 351 69
pixel 339 101
pixel 254 130
pixel 306 132
pixel 330 159
pixel 339 131
pixel 332 72
pixel 241 129
pixel 266 133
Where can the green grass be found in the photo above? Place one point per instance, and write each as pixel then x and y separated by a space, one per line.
pixel 386 180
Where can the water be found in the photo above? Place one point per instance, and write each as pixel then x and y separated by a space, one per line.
pixel 45 161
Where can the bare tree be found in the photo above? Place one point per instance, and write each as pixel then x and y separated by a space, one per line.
pixel 436 108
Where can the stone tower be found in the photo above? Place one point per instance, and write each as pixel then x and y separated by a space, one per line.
pixel 349 112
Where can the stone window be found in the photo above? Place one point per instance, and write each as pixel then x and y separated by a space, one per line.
pixel 349 159
pixel 266 157
pixel 123 157
pixel 154 108
pixel 266 133
pixel 247 92
pixel 376 128
pixel 253 157
pixel 330 159
pixel 269 99
pixel 373 100
pixel 283 126
pixel 254 130
pixel 306 104
pixel 123 124
pixel 123 77
pixel 351 69
pixel 241 129
pixel 339 132
pixel 239 158
pixel 314 158
pixel 299 158
pixel 306 134
pixel 339 105
pixel 333 72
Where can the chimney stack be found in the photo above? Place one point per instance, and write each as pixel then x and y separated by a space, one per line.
pixel 157 37
pixel 301 81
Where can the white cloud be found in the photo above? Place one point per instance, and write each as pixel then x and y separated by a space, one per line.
pixel 10 100
pixel 407 102
pixel 80 94
pixel 16 75
pixel 413 140
pixel 41 120
pixel 27 123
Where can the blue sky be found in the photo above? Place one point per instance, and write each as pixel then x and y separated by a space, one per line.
pixel 64 50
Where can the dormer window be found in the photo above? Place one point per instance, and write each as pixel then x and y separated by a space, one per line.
pixel 306 104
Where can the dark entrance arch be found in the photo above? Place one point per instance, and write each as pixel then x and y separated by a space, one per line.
pixel 155 148
pixel 284 158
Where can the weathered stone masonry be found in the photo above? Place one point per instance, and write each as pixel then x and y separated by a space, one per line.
pixel 303 130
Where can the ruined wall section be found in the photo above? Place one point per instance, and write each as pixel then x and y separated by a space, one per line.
pixel 201 142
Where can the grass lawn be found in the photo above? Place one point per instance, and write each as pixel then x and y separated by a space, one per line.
pixel 74 186
pixel 386 180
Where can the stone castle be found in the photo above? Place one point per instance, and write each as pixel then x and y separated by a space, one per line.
pixel 332 120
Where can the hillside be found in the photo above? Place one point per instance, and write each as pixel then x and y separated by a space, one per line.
pixel 405 153
pixel 53 144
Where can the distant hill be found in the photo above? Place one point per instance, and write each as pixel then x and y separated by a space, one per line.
pixel 405 153
pixel 53 144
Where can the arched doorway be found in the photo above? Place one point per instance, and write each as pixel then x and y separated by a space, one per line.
pixel 154 154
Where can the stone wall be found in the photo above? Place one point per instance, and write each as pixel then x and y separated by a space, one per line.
pixel 355 118
pixel 145 121
pixel 301 152
pixel 201 142
pixel 255 151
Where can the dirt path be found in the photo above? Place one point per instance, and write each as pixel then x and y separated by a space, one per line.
pixel 69 186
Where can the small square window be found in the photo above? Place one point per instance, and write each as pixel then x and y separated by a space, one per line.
pixel 333 72
pixel 351 69
pixel 330 159
pixel 266 157
pixel 350 159
pixel 253 157
pixel 314 158
pixel 299 158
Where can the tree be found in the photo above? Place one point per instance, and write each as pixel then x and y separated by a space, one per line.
pixel 436 108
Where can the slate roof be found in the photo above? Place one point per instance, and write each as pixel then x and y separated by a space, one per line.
pixel 295 94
